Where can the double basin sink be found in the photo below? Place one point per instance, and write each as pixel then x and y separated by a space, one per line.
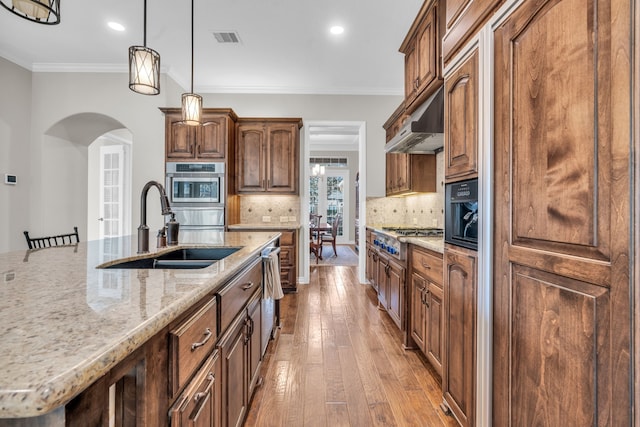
pixel 182 258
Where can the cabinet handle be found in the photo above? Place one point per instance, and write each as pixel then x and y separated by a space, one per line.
pixel 207 336
pixel 202 397
pixel 247 286
pixel 426 298
pixel 425 265
pixel 197 149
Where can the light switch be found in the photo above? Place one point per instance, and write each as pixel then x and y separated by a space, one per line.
pixel 292 219
pixel 284 218
pixel 266 219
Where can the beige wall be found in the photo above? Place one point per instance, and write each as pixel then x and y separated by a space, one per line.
pixel 15 109
pixel 52 170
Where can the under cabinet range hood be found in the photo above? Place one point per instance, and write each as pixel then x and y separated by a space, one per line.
pixel 423 132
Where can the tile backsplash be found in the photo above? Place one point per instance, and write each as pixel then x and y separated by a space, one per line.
pixel 254 208
pixel 425 209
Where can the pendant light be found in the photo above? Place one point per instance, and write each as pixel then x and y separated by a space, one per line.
pixel 191 102
pixel 144 66
pixel 40 11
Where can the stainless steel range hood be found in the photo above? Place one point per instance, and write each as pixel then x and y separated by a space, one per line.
pixel 423 132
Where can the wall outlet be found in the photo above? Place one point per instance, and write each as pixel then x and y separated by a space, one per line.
pixel 434 222
pixel 284 218
pixel 292 219
pixel 266 219
pixel 415 221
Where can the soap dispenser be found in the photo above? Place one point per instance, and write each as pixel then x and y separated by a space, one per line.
pixel 173 228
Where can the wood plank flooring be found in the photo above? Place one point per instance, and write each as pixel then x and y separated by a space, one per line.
pixel 339 362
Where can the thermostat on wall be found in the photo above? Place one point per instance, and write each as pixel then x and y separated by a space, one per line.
pixel 10 179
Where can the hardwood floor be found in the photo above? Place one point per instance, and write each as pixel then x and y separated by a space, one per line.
pixel 339 362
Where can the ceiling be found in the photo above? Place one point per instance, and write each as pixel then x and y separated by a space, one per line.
pixel 285 45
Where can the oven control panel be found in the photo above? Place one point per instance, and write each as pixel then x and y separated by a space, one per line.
pixel 389 245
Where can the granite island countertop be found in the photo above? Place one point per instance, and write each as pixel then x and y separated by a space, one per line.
pixel 265 226
pixel 66 323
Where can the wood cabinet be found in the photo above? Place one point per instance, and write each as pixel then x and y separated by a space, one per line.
pixel 565 180
pixel 464 18
pixel 289 260
pixel 205 142
pixel 426 304
pixel 391 278
pixel 199 405
pixel 461 120
pixel 410 173
pixel 421 47
pixel 240 354
pixel 372 261
pixel 458 368
pixel 267 156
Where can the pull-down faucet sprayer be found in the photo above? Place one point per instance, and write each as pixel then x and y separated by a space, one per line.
pixel 143 229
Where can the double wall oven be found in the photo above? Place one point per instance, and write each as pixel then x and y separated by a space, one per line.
pixel 196 193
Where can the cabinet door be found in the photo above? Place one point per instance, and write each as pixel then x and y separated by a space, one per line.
pixel 564 282
pixel 427 51
pixel 234 373
pixel 402 178
pixel 212 138
pixel 418 320
pixel 254 352
pixel 382 280
pixel 281 157
pixel 458 379
pixel 372 266
pixel 410 73
pixel 250 164
pixel 433 319
pixel 395 298
pixel 199 404
pixel 461 123
pixel 180 139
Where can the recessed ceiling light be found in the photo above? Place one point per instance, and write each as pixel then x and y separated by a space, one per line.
pixel 115 26
pixel 336 29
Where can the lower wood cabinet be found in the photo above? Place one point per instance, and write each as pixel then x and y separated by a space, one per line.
pixel 240 354
pixel 426 304
pixel 391 278
pixel 458 373
pixel 199 404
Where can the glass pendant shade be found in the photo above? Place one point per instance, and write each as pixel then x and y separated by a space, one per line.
pixel 40 11
pixel 191 109
pixel 144 70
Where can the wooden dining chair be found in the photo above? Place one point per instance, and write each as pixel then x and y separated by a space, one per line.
pixel 49 241
pixel 315 244
pixel 331 238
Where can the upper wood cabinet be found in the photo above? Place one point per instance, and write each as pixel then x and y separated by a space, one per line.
pixel 198 143
pixel 464 18
pixel 410 173
pixel 421 47
pixel 267 156
pixel 461 121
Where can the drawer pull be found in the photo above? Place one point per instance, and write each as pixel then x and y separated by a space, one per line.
pixel 207 336
pixel 247 286
pixel 204 396
pixel 425 265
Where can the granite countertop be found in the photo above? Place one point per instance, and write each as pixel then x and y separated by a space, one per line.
pixel 265 226
pixel 435 244
pixel 66 323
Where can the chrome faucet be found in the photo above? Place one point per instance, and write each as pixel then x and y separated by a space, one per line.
pixel 143 230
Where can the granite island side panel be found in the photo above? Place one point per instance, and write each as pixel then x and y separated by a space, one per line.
pixel 66 323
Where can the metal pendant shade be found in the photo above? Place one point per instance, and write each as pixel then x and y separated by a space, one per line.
pixel 191 102
pixel 144 66
pixel 40 11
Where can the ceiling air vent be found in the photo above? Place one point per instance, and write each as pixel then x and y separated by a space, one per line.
pixel 226 36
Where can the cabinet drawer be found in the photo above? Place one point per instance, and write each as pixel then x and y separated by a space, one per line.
pixel 285 257
pixel 287 238
pixel 191 341
pixel 429 265
pixel 235 295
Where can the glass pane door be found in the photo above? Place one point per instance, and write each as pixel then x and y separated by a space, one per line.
pixel 329 196
pixel 111 190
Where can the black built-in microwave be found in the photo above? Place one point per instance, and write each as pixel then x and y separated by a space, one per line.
pixel 461 214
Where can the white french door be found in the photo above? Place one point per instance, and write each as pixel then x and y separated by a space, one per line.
pixel 112 191
pixel 329 196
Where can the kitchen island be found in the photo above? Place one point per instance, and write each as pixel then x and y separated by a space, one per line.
pixel 67 324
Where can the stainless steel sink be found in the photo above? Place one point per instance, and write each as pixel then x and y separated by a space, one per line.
pixel 183 258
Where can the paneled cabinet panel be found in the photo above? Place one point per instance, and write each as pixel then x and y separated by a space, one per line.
pixel 409 173
pixel 458 373
pixel 562 183
pixel 391 278
pixel 461 121
pixel 464 18
pixel 267 156
pixel 205 142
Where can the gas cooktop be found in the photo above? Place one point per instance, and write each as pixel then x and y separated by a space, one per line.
pixel 416 231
